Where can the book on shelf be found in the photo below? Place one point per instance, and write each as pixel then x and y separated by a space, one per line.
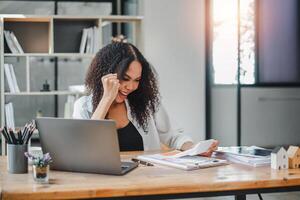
pixel 13 74
pixel 9 42
pixel 9 115
pixel 12 42
pixel 11 78
pixel 69 106
pixel 90 42
pixel 16 42
pixel 96 39
pixel 83 41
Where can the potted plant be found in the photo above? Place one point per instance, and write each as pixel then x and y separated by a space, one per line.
pixel 40 167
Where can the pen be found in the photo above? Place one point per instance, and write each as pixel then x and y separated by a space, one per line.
pixel 142 162
pixel 8 135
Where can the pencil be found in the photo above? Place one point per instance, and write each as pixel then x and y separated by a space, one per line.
pixel 5 136
pixel 8 136
pixel 19 137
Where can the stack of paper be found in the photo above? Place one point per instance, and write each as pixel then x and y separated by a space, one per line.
pixel 253 155
pixel 90 40
pixel 12 42
pixel 186 160
pixel 9 116
pixel 255 162
pixel 11 78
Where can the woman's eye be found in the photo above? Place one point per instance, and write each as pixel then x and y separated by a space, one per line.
pixel 138 80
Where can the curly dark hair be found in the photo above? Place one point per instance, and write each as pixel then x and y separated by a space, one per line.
pixel 116 58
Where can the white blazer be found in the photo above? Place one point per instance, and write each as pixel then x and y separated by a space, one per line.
pixel 159 129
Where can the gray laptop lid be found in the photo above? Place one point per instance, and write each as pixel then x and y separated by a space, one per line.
pixel 81 145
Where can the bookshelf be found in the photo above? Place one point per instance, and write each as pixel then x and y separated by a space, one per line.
pixel 49 37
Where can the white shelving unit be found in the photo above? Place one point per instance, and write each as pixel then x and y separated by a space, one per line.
pixel 42 36
pixel 43 93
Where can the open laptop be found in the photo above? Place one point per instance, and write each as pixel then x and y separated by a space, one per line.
pixel 79 145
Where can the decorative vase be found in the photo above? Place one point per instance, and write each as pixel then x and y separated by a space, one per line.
pixel 41 174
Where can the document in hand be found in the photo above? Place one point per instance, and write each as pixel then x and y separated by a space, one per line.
pixel 199 148
pixel 186 160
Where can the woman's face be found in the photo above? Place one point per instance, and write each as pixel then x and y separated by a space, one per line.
pixel 130 82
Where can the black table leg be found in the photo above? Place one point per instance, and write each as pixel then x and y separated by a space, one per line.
pixel 240 197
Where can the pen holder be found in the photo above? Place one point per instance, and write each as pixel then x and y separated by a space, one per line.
pixel 17 163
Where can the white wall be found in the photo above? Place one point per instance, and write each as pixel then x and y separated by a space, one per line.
pixel 174 44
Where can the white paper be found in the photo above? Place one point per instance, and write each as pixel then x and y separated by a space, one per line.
pixel 199 148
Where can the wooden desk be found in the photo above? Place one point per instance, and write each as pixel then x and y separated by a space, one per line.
pixel 148 182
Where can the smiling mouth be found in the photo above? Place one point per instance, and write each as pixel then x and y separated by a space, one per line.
pixel 123 94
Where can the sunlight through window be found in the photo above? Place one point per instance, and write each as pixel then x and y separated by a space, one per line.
pixel 225 41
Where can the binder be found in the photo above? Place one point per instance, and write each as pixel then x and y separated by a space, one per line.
pixel 83 41
pixel 16 42
pixel 10 43
pixel 9 78
pixel 14 79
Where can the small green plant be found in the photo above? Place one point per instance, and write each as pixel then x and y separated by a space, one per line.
pixel 43 161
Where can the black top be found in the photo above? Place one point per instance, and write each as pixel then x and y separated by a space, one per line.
pixel 130 139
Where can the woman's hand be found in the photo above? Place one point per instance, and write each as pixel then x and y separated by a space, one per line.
pixel 208 153
pixel 211 149
pixel 111 86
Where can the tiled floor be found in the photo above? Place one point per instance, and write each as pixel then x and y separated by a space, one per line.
pixel 273 196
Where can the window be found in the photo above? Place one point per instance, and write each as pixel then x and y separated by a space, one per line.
pixel 233 39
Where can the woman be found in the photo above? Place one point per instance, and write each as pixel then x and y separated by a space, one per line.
pixel 123 87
